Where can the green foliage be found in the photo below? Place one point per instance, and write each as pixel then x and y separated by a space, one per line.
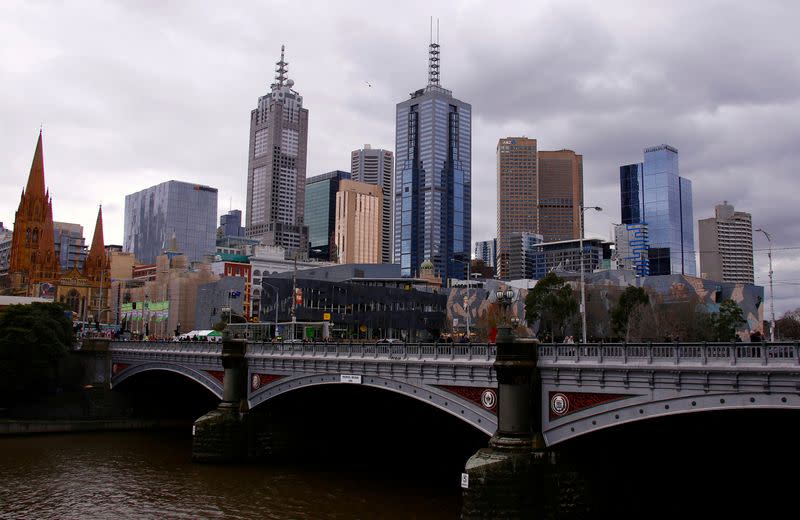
pixel 553 303
pixel 33 338
pixel 725 321
pixel 630 299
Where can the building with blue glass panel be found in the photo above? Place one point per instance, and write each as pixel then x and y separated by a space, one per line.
pixel 320 215
pixel 433 180
pixel 654 193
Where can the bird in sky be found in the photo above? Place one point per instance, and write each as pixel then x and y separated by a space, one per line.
pixel 368 83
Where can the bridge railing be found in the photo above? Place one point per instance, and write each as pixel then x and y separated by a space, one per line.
pixel 385 351
pixel 167 347
pixel 672 353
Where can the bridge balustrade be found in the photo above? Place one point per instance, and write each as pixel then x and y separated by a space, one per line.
pixel 405 351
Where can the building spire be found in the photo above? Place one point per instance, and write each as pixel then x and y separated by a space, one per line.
pixel 97 240
pixel 433 56
pixel 35 185
pixel 281 69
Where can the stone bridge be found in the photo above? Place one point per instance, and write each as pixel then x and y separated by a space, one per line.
pixel 584 388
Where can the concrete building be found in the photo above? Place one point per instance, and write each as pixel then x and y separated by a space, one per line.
pixel 726 245
pixel 560 179
pixel 225 265
pixel 321 213
pixel 654 193
pixel 433 179
pixel 375 166
pixel 213 297
pixel 522 255
pixel 359 214
pixel 5 249
pixel 70 245
pixel 632 247
pixel 276 167
pixel 230 224
pixel 564 256
pixel 486 250
pixel 183 210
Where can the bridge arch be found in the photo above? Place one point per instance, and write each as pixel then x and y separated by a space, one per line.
pixel 641 409
pixel 203 378
pixel 470 413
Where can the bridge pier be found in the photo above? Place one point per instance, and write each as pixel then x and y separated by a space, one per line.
pixel 223 435
pixel 515 476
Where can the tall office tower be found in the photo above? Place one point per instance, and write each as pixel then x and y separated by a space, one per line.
pixel 433 179
pixel 632 245
pixel 517 195
pixel 70 245
pixel 321 213
pixel 374 166
pixel 185 211
pixel 662 199
pixel 276 167
pixel 726 245
pixel 522 255
pixel 486 250
pixel 560 192
pixel 5 249
pixel 358 223
pixel 230 224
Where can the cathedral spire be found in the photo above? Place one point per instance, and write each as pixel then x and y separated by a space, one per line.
pixel 96 261
pixel 97 239
pixel 35 185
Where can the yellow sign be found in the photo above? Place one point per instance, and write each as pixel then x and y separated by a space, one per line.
pixel 326 316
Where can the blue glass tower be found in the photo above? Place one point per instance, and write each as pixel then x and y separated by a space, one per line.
pixel 433 179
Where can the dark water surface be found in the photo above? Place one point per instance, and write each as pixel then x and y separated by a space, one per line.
pixel 150 475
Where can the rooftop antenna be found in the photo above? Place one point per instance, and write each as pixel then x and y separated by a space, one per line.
pixel 281 69
pixel 433 56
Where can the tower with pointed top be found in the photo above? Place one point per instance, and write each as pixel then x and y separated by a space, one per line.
pixel 276 166
pixel 33 262
pixel 433 178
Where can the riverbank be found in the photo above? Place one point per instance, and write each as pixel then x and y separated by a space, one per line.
pixel 43 426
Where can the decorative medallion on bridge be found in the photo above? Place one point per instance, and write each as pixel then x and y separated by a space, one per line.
pixel 259 380
pixel 116 368
pixel 565 403
pixel 219 375
pixel 485 397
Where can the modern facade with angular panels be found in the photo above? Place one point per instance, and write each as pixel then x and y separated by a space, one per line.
pixel 320 214
pixel 433 180
pixel 185 211
pixel 663 200
pixel 726 245
pixel 375 166
pixel 276 167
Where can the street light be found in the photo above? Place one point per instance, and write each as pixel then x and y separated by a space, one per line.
pixel 504 299
pixel 583 285
pixel 275 335
pixel 771 292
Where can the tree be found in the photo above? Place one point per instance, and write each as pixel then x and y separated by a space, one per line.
pixel 725 321
pixel 33 339
pixel 630 299
pixel 553 303
pixel 788 327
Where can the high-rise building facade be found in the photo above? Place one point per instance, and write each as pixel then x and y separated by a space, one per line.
pixel 230 224
pixel 560 192
pixel 726 245
pixel 632 248
pixel 375 166
pixel 321 212
pixel 433 179
pixel 185 211
pixel 5 249
pixel 663 200
pixel 522 255
pixel 486 251
pixel 359 210
pixel 517 195
pixel 70 245
pixel 276 167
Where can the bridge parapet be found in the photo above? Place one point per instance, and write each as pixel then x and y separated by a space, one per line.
pixel 468 352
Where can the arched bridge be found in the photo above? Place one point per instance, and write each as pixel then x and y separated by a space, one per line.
pixel 584 388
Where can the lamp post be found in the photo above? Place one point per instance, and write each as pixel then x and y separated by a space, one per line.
pixel 275 334
pixel 771 292
pixel 583 285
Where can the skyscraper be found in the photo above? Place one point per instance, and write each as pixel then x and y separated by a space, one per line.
pixel 726 245
pixel 321 212
pixel 358 223
pixel 276 167
pixel 230 224
pixel 560 178
pixel 486 251
pixel 662 199
pixel 181 209
pixel 433 179
pixel 374 166
pixel 70 245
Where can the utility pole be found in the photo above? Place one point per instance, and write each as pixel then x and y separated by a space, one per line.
pixel 771 291
pixel 583 284
pixel 294 294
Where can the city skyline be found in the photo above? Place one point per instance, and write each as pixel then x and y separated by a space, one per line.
pixel 615 95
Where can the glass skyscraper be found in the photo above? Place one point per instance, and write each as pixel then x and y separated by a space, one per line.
pixel 321 212
pixel 654 193
pixel 153 215
pixel 433 179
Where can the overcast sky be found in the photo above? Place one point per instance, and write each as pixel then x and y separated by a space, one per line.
pixel 134 93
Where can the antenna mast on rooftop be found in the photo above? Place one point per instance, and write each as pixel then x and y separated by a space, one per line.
pixel 433 56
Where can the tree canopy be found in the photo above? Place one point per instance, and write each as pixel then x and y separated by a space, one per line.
pixel 630 299
pixel 553 303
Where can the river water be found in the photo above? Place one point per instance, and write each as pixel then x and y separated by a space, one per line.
pixel 150 475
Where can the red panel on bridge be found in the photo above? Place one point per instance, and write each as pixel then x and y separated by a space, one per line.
pixel 565 403
pixel 219 375
pixel 116 368
pixel 485 397
pixel 259 380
